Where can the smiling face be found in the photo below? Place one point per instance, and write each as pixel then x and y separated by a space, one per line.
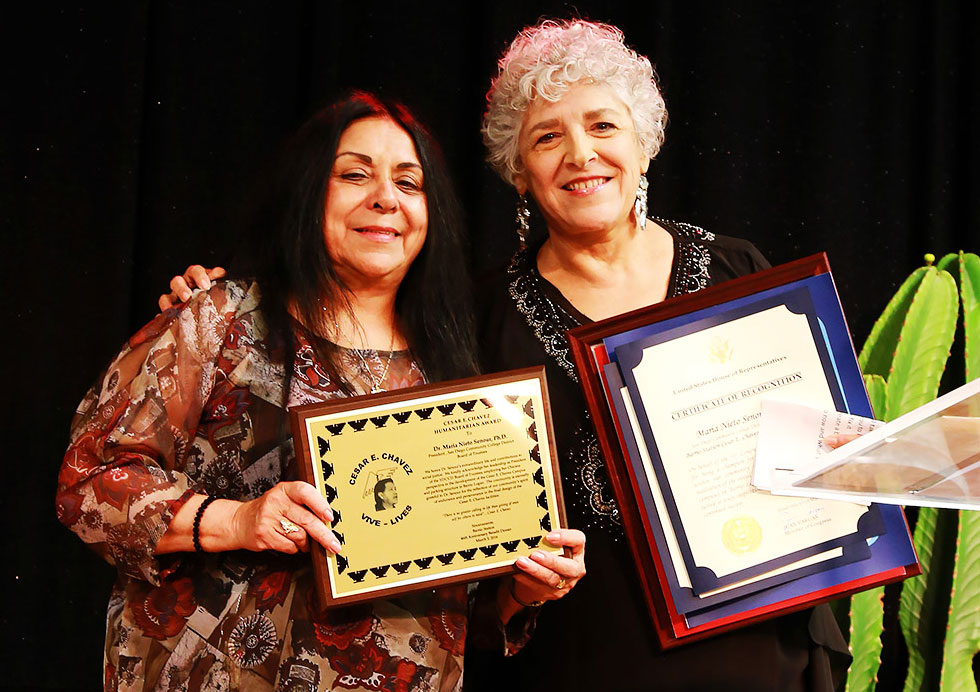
pixel 582 160
pixel 375 218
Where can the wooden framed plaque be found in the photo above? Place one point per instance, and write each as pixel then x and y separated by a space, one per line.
pixel 432 485
pixel 675 392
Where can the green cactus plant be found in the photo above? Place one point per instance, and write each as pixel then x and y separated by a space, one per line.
pixel 963 628
pixel 903 361
pixel 923 600
pixel 867 618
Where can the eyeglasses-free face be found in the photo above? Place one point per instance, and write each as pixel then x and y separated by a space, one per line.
pixel 375 217
pixel 582 160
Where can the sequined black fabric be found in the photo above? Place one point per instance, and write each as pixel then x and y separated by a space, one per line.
pixel 550 316
pixel 601 633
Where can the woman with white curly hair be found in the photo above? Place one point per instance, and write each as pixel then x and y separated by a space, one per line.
pixel 573 119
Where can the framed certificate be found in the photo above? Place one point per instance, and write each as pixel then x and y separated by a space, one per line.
pixel 432 485
pixel 675 391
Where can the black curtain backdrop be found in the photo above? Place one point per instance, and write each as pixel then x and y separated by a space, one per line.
pixel 130 130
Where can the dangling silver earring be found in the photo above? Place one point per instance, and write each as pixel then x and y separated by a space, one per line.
pixel 523 214
pixel 640 206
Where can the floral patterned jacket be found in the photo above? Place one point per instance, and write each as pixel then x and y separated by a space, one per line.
pixel 192 404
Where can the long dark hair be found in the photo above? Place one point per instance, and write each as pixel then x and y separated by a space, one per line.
pixel 289 259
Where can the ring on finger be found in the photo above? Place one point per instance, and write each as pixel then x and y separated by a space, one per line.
pixel 561 584
pixel 288 527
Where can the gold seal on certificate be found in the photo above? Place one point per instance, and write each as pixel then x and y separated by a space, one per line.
pixel 741 534
pixel 433 485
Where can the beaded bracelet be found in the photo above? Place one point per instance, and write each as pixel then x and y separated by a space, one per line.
pixel 196 535
pixel 513 594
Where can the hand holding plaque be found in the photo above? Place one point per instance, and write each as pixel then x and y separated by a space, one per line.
pixel 288 518
pixel 438 484
pixel 549 576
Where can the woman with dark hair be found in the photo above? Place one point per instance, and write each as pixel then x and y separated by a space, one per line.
pixel 181 472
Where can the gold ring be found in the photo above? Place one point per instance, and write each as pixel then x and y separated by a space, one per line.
pixel 561 584
pixel 288 527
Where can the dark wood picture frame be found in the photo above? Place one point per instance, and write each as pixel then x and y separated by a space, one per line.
pixel 305 459
pixel 671 626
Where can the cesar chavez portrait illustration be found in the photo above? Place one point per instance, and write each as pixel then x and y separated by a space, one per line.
pixel 385 494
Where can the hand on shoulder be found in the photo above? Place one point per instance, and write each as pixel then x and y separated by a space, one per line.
pixel 182 285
